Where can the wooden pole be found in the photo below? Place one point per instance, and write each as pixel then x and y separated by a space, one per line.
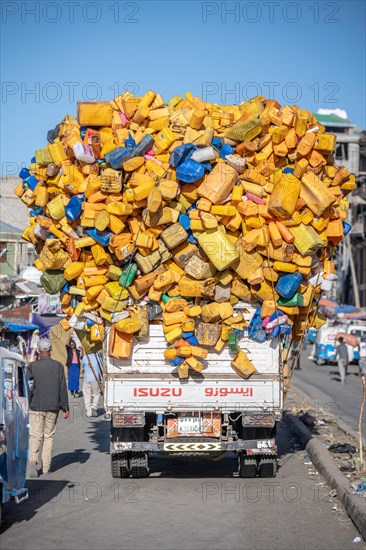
pixel 362 465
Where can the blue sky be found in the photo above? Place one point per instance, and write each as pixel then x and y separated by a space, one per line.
pixel 53 54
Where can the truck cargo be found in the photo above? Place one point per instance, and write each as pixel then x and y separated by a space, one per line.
pixel 191 242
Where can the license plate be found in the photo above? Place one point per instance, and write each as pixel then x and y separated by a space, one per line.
pixel 190 425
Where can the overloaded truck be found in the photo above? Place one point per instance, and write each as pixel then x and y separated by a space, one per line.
pixel 153 411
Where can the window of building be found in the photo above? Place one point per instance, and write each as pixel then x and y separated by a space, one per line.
pixel 342 151
pixel 3 253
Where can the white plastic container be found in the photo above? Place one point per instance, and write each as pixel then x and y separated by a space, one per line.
pixel 203 155
pixel 83 153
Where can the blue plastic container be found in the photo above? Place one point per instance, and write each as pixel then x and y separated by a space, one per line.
pixel 185 221
pixel 101 237
pixel 287 285
pixel 346 228
pixel 255 329
pixel 130 143
pixel 181 153
pixel 117 157
pixel 37 211
pixel 226 150
pixel 187 335
pixel 24 173
pixel 285 328
pixel 30 182
pixel 177 361
pixel 73 207
pixel 287 171
pixel 190 171
pixel 192 239
pixel 217 143
pixel 143 146
pixel 192 340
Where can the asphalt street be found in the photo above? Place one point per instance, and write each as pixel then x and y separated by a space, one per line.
pixel 184 504
pixel 323 385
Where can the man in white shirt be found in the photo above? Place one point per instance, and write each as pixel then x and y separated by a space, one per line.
pixel 91 391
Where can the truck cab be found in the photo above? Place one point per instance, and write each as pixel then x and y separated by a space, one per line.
pixel 14 427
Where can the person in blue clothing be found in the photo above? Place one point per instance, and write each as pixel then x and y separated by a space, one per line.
pixel 73 366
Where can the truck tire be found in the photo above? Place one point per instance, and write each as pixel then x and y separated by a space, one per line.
pixel 119 465
pixel 267 467
pixel 139 465
pixel 247 466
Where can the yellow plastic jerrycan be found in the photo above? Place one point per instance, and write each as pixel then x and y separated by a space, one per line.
pixel 243 365
pixel 218 247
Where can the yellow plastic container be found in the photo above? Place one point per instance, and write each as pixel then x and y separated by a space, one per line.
pixel 218 247
pixel 173 318
pixel 173 335
pixel 57 152
pixel 99 254
pixel 282 202
pixel 217 186
pixel 95 113
pixel 243 365
pixel 73 271
pixel 307 240
pixel 315 194
pixel 56 208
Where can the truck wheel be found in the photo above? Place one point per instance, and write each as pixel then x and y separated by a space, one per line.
pixel 139 464
pixel 267 467
pixel 247 466
pixel 119 465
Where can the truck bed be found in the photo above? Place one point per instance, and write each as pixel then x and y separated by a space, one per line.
pixel 145 381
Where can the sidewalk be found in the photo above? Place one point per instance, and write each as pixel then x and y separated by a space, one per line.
pixel 322 385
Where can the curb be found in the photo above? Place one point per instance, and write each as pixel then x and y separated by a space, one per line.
pixel 320 457
pixel 346 428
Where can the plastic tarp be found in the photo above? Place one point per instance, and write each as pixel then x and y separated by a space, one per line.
pixel 20 327
pixel 44 323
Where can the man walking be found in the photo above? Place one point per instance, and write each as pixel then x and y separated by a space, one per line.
pixel 342 357
pixel 47 395
pixel 91 390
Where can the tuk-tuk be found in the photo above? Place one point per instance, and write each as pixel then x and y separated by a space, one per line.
pixel 14 427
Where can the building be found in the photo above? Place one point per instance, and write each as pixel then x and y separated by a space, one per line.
pixel 15 254
pixel 351 256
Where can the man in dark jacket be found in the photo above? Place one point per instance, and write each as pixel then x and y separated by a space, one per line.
pixel 47 396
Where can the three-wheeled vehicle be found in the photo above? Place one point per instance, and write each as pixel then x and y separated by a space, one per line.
pixel 14 427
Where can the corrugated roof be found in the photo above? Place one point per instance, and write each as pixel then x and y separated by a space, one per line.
pixel 6 228
pixel 333 120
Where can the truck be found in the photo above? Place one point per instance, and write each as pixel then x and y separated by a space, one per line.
pixel 151 410
pixel 326 336
pixel 14 428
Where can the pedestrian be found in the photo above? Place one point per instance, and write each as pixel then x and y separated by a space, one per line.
pixel 4 342
pixel 21 345
pixel 47 396
pixel 362 356
pixel 34 344
pixel 91 390
pixel 342 358
pixel 73 366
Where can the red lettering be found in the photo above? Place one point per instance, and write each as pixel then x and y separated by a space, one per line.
pixel 165 392
pixel 177 392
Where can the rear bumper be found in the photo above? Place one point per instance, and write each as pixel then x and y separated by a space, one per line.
pixel 251 447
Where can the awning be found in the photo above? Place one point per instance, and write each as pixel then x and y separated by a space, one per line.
pixel 45 322
pixel 19 327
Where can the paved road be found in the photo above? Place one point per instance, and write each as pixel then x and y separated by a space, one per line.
pixel 322 384
pixel 183 505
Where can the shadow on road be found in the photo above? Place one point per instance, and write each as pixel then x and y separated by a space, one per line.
pixel 41 492
pixel 99 433
pixel 79 456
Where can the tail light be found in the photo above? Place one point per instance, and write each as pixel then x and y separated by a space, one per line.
pixel 128 420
